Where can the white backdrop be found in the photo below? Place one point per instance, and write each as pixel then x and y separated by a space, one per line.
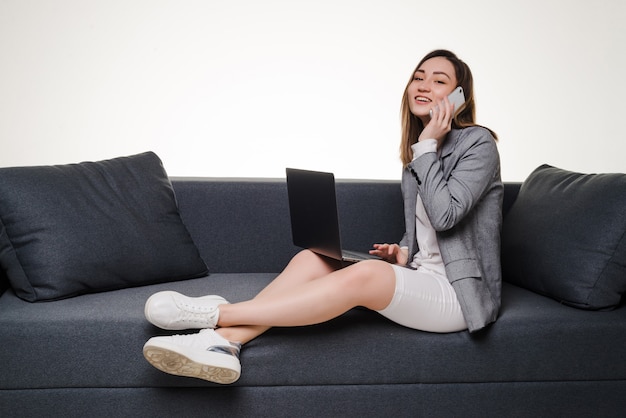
pixel 245 87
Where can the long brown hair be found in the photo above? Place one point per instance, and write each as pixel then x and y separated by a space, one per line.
pixel 412 126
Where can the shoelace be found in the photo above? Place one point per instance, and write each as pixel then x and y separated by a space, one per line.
pixel 207 317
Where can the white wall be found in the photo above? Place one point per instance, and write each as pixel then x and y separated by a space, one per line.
pixel 247 87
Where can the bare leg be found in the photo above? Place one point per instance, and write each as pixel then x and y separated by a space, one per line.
pixel 311 297
pixel 303 267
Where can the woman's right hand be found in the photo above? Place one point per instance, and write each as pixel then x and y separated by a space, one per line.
pixel 392 253
pixel 440 122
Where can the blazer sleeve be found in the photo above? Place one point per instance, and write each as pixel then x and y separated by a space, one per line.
pixel 450 187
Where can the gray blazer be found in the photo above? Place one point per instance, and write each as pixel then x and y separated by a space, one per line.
pixel 462 192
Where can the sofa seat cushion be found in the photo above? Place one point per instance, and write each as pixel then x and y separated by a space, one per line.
pixel 96 341
pixel 71 229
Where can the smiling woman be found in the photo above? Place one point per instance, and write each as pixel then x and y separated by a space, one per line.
pixel 433 81
pixel 436 76
pixel 428 281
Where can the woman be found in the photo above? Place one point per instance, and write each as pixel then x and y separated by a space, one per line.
pixel 444 276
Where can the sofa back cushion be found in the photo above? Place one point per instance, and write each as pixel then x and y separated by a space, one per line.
pixel 78 228
pixel 242 225
pixel 565 237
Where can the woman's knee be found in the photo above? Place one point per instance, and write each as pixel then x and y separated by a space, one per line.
pixel 309 261
pixel 307 257
pixel 372 269
pixel 373 279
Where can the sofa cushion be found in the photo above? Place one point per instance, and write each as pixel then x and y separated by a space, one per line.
pixel 565 237
pixel 79 228
pixel 101 336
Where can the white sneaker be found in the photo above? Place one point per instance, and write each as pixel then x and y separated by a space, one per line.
pixel 205 355
pixel 173 311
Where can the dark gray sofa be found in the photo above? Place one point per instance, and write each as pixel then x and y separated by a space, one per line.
pixel 82 356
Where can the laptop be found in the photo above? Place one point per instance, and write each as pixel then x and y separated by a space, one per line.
pixel 314 217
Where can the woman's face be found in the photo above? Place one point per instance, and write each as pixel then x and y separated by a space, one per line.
pixel 432 82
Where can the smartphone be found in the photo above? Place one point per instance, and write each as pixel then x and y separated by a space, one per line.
pixel 457 98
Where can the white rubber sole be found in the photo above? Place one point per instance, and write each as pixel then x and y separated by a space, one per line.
pixel 149 308
pixel 174 359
